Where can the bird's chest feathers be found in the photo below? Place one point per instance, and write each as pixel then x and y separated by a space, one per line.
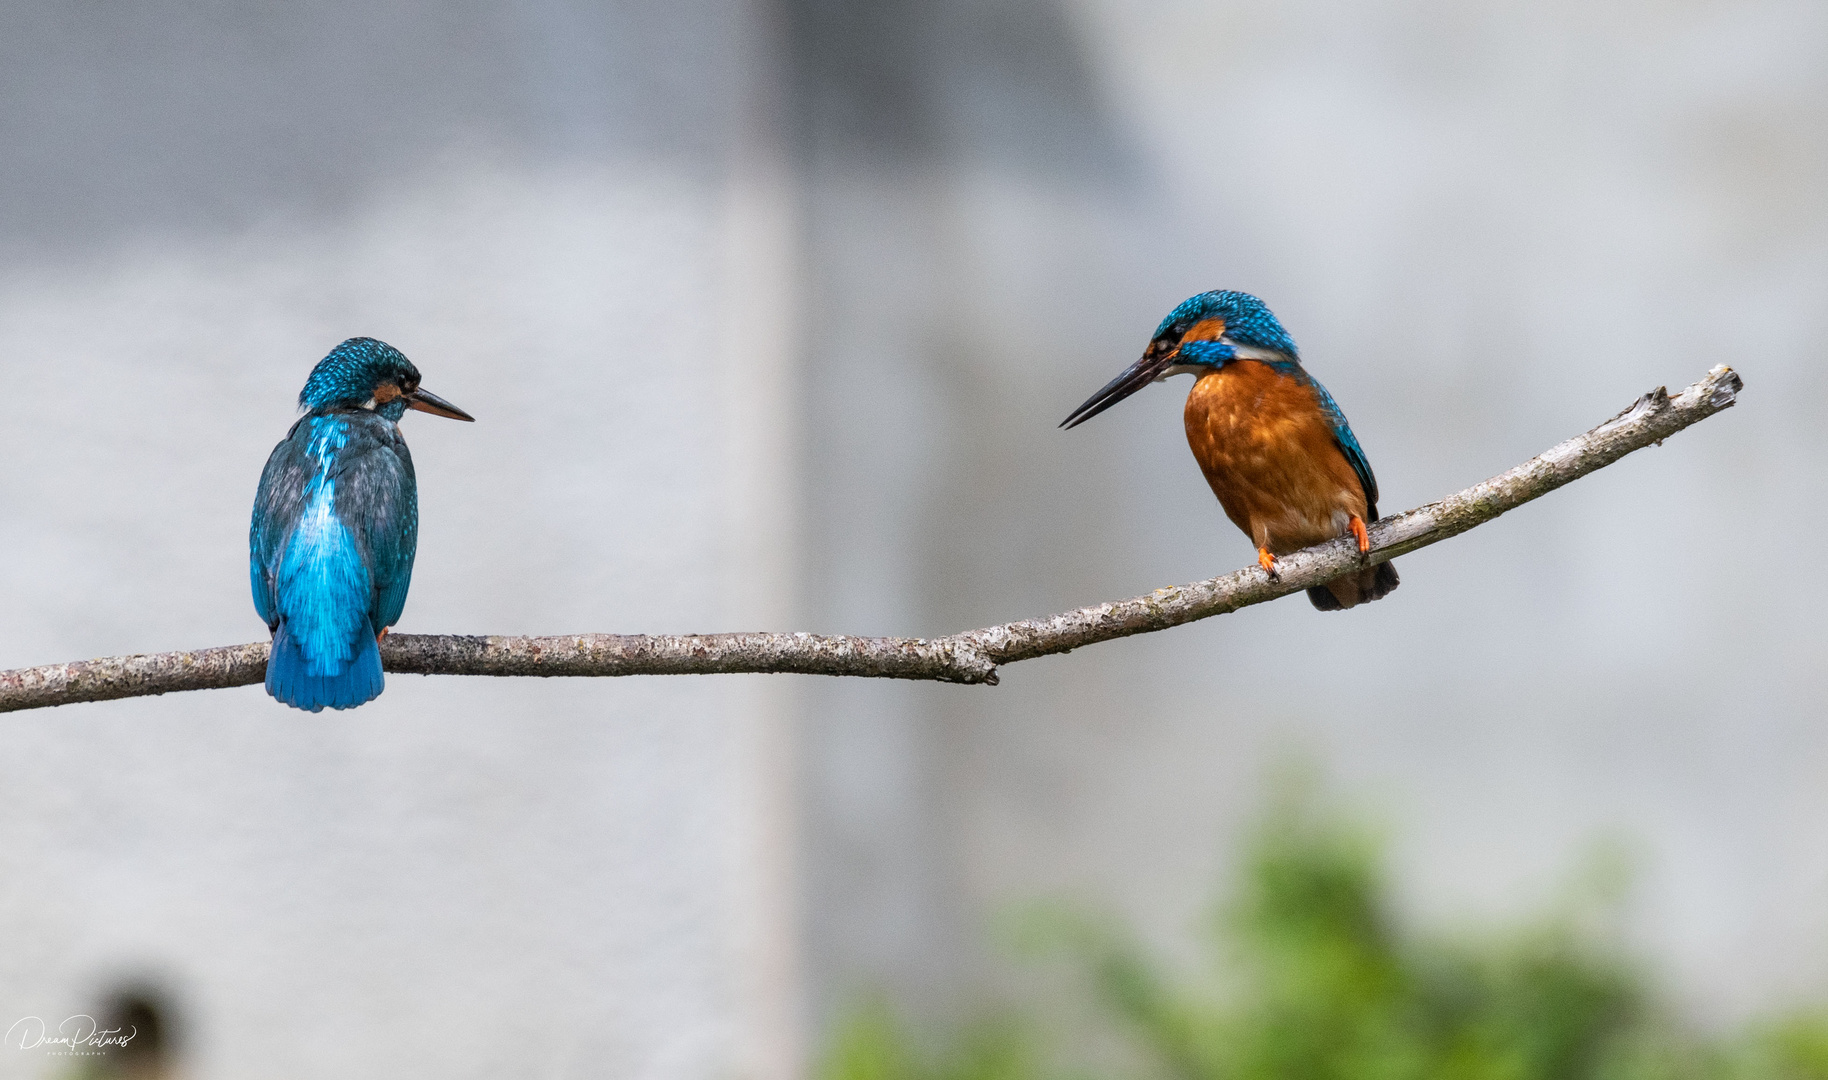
pixel 1269 454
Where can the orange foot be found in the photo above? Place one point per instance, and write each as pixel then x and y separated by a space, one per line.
pixel 1266 561
pixel 1358 530
pixel 382 636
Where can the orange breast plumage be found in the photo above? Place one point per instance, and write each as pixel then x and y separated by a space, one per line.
pixel 1268 451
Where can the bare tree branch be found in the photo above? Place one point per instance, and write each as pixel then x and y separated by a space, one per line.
pixel 970 657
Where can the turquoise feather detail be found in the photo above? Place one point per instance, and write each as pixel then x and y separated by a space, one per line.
pixel 323 587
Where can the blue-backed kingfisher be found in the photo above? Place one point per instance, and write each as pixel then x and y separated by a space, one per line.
pixel 336 524
pixel 1273 444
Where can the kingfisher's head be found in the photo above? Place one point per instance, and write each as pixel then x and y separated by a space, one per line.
pixel 1235 319
pixel 1202 334
pixel 363 373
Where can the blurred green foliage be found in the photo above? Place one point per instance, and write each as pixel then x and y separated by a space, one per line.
pixel 1317 980
pixel 872 1045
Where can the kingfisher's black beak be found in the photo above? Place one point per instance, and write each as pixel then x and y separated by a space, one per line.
pixel 1158 358
pixel 426 401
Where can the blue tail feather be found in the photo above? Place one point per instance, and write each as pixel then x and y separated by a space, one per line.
pixel 290 680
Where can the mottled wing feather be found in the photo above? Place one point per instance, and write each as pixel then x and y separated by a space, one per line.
pixel 277 505
pixel 378 497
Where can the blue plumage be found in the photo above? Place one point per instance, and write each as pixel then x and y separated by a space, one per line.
pixel 1248 320
pixel 1348 442
pixel 336 525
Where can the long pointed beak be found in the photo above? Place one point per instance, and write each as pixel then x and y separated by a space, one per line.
pixel 1134 378
pixel 426 401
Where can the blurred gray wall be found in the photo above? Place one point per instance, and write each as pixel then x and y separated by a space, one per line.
pixel 768 313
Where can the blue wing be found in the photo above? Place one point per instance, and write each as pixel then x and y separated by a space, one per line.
pixel 309 571
pixel 1348 444
pixel 330 555
pixel 379 498
pixel 277 506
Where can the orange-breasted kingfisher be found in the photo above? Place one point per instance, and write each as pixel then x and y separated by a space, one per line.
pixel 1273 444
pixel 336 525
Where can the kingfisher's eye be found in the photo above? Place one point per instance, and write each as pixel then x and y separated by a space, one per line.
pixel 1181 328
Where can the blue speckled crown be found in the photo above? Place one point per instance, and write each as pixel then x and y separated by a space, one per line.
pixel 350 373
pixel 1248 321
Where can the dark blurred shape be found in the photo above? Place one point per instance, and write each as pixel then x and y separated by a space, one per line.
pixel 912 85
pixel 1320 982
pixel 145 1013
pixel 902 113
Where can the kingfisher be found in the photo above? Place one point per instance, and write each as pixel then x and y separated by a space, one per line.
pixel 1274 446
pixel 336 525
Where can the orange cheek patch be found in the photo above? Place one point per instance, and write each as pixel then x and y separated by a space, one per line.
pixel 1206 330
pixel 385 393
